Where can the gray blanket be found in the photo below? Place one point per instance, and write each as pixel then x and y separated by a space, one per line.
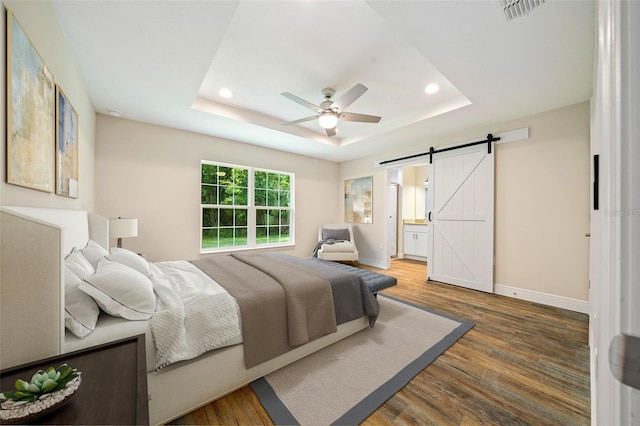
pixel 351 294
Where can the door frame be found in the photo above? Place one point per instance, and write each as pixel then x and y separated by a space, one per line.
pixel 614 240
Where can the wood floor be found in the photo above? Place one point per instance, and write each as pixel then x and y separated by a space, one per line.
pixel 522 364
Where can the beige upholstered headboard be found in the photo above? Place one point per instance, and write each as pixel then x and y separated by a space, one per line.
pixel 33 244
pixel 76 225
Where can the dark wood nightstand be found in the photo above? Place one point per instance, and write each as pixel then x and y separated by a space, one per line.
pixel 113 389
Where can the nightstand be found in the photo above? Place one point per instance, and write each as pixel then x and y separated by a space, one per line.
pixel 113 389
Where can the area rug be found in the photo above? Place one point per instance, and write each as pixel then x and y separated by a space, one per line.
pixel 347 381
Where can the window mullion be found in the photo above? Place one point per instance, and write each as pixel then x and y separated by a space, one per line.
pixel 251 210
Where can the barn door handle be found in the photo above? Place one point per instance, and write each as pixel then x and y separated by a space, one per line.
pixel 596 182
pixel 429 217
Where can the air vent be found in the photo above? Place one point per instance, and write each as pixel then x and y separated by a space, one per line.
pixel 518 8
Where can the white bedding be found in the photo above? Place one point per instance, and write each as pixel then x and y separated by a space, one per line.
pixel 194 314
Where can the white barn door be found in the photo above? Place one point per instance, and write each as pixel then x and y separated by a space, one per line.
pixel 461 218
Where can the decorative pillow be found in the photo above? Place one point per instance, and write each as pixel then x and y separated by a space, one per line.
pixel 335 234
pixel 80 310
pixel 121 291
pixel 130 259
pixel 94 252
pixel 78 264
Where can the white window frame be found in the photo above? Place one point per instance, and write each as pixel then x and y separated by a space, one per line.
pixel 251 210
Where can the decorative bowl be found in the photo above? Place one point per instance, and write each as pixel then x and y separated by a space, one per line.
pixel 12 412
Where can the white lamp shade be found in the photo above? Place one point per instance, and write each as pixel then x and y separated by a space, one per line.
pixel 121 227
pixel 328 120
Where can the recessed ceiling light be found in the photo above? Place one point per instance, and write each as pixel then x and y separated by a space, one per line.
pixel 225 93
pixel 431 89
pixel 114 113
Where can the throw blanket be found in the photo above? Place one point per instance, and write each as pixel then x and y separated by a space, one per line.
pixel 321 242
pixel 193 313
pixel 282 305
pixel 309 299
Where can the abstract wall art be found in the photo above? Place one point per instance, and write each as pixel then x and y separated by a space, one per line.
pixel 66 147
pixel 358 200
pixel 30 113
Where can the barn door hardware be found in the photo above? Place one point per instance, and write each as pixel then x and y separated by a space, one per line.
pixel 490 138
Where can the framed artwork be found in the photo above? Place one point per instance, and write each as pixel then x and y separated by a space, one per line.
pixel 358 200
pixel 66 147
pixel 30 113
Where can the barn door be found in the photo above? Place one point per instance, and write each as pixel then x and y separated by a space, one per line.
pixel 461 218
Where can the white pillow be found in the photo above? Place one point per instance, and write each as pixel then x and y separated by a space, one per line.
pixel 94 252
pixel 121 291
pixel 131 259
pixel 80 310
pixel 78 264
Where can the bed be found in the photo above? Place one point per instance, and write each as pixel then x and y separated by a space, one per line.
pixel 35 243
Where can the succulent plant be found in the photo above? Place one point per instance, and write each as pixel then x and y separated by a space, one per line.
pixel 42 382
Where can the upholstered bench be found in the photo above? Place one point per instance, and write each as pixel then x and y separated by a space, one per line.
pixel 374 280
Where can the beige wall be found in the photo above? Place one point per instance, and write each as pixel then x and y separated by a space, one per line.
pixel 542 203
pixel 38 20
pixel 413 178
pixel 408 208
pixel 370 237
pixel 153 173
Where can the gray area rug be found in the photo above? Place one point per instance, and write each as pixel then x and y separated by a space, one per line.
pixel 345 382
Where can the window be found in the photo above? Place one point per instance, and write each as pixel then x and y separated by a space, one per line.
pixel 244 207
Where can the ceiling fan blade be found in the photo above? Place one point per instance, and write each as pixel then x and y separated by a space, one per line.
pixel 363 118
pixel 331 131
pixel 302 102
pixel 301 120
pixel 348 98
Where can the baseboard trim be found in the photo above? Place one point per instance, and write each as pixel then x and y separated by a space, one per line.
pixel 414 257
pixel 542 298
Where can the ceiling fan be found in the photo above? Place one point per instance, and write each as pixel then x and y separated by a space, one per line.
pixel 329 112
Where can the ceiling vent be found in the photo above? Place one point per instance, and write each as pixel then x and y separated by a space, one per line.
pixel 517 8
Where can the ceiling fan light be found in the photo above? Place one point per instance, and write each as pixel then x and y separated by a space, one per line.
pixel 327 120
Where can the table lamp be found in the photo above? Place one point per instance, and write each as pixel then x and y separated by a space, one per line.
pixel 121 227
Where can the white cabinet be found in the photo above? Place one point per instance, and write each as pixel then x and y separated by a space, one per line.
pixel 415 241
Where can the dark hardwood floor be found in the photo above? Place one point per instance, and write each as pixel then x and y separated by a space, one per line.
pixel 522 364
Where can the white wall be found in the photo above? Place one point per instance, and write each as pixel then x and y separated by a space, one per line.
pixel 38 20
pixel 542 205
pixel 153 173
